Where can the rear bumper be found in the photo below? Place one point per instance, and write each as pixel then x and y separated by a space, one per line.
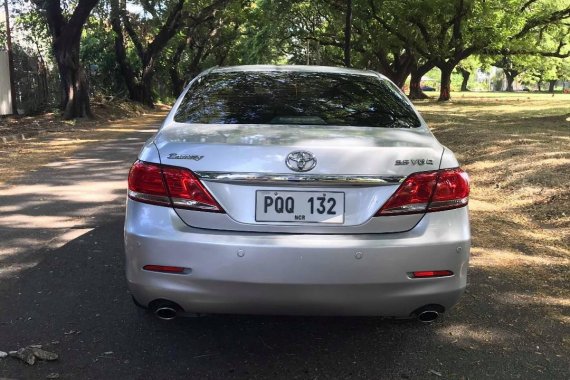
pixel 260 273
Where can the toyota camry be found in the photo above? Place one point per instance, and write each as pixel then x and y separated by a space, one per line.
pixel 296 190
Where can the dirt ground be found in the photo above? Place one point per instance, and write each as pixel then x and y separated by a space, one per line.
pixel 516 149
pixel 63 137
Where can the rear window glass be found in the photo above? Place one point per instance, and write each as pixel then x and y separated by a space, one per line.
pixel 306 98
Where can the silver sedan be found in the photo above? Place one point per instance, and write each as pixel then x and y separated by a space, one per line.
pixel 296 190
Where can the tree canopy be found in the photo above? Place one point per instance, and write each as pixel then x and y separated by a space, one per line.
pixel 147 50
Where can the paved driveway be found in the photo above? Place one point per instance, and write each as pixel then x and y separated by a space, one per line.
pixel 62 287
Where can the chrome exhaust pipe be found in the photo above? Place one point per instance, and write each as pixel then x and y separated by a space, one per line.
pixel 428 316
pixel 166 313
pixel 165 310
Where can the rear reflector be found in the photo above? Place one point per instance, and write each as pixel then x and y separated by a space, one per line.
pixel 431 273
pixel 164 268
pixel 429 191
pixel 169 186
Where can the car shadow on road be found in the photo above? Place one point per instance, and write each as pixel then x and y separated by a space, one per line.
pixel 76 295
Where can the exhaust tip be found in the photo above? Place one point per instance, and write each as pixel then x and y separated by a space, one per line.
pixel 166 313
pixel 428 313
pixel 165 310
pixel 428 316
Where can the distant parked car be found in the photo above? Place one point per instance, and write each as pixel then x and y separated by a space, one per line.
pixel 296 190
pixel 427 88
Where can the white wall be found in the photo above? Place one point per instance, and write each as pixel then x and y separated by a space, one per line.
pixel 5 98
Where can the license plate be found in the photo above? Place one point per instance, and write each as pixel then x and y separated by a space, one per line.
pixel 299 206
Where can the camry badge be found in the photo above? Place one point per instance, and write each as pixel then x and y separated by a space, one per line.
pixel 301 161
pixel 175 156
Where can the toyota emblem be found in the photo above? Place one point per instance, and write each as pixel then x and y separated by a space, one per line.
pixel 301 161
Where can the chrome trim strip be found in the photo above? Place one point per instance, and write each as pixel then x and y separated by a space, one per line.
pixel 299 179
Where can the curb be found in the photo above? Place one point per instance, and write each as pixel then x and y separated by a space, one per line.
pixel 21 136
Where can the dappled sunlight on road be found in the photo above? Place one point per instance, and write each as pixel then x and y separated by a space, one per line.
pixel 39 221
pixel 508 258
pixel 516 298
pixel 7 271
pixel 82 191
pixel 467 335
pixel 65 198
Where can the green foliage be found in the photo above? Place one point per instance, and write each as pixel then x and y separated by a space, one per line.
pixel 463 34
pixel 98 57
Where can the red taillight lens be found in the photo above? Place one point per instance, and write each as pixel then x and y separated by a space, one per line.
pixel 428 191
pixel 431 273
pixel 412 196
pixel 451 191
pixel 168 185
pixel 147 185
pixel 186 191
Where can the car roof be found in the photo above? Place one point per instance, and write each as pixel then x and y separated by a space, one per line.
pixel 295 68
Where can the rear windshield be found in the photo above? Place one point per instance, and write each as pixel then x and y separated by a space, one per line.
pixel 306 98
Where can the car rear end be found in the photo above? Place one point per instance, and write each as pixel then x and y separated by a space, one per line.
pixel 287 190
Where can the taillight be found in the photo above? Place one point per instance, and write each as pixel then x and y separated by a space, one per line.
pixel 169 186
pixel 429 191
pixel 451 191
pixel 147 185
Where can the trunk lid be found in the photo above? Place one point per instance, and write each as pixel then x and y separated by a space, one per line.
pixel 363 165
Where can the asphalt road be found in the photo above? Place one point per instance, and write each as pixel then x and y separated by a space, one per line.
pixel 62 287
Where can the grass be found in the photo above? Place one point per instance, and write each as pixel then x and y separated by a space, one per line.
pixel 516 148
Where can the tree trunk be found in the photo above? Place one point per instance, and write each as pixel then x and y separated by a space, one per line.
pixel 43 89
pixel 551 85
pixel 175 77
pixel 416 80
pixel 510 80
pixel 125 68
pixel 146 95
pixel 396 69
pixel 400 78
pixel 177 81
pixel 75 97
pixel 445 90
pixel 539 85
pixel 416 87
pixel 10 60
pixel 347 32
pixel 66 39
pixel 510 74
pixel 465 74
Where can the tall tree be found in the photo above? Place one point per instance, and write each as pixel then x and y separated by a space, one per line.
pixel 10 60
pixel 347 32
pixel 140 86
pixel 174 16
pixel 203 45
pixel 377 49
pixel 446 32
pixel 65 29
